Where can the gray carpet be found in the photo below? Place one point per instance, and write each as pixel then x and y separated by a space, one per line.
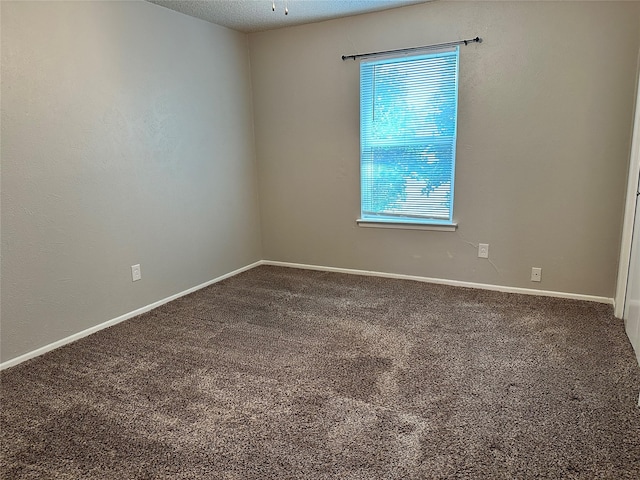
pixel 290 374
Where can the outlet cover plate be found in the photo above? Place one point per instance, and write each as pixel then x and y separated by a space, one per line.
pixel 536 274
pixel 483 250
pixel 136 273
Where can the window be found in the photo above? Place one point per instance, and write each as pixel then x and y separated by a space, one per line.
pixel 408 117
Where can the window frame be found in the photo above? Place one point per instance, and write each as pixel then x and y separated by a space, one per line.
pixel 405 221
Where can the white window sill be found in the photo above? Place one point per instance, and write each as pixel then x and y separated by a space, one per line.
pixel 439 227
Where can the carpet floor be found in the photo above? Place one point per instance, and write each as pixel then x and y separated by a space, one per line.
pixel 280 373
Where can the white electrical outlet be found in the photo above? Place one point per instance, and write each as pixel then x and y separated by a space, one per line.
pixel 483 250
pixel 136 273
pixel 536 274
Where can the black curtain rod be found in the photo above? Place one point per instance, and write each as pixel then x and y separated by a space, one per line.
pixel 412 49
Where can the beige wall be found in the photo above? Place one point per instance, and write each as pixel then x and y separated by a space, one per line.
pixel 544 128
pixel 126 138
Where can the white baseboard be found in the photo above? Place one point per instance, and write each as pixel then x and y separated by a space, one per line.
pixel 139 311
pixel 84 333
pixel 455 283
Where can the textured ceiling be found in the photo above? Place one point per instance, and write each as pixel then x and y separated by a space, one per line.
pixel 256 15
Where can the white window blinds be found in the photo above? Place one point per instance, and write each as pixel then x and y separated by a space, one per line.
pixel 408 115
